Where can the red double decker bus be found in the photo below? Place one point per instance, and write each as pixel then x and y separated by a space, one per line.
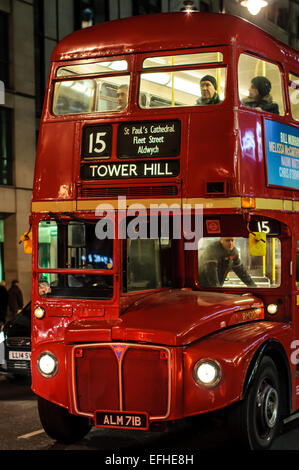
pixel 165 228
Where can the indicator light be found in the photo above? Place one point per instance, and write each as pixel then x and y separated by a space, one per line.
pixel 272 309
pixel 248 202
pixel 39 313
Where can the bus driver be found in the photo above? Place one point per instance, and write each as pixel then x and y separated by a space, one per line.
pixel 217 260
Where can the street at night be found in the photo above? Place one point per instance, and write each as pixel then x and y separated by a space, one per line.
pixel 20 429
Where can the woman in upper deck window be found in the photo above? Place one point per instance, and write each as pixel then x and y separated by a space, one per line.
pixel 259 96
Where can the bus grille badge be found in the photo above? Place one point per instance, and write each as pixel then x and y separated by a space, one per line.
pixel 119 350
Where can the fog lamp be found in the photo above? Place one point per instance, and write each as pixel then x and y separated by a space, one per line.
pixel 47 364
pixel 39 312
pixel 207 372
pixel 272 309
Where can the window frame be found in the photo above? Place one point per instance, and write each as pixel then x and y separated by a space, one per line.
pixel 281 74
pixel 114 73
pixel 236 288
pixel 226 63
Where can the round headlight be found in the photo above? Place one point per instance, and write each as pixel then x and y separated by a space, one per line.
pixel 47 364
pixel 207 372
pixel 39 312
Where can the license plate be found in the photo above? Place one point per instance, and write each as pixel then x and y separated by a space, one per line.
pixel 19 355
pixel 121 420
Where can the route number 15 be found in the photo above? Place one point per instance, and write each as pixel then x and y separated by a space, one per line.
pixel 99 139
pixel 269 226
pixel 263 226
pixel 97 142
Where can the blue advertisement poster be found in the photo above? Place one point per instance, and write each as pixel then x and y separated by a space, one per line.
pixel 282 153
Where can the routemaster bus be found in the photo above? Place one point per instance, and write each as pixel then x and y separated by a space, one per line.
pixel 165 228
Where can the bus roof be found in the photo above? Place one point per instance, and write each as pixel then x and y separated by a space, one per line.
pixel 166 31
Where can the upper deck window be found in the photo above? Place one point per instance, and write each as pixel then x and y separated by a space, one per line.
pixel 94 68
pixel 260 85
pixel 96 87
pixel 182 86
pixel 94 95
pixel 196 87
pixel 294 95
pixel 183 59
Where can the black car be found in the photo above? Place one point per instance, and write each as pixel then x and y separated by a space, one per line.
pixel 17 344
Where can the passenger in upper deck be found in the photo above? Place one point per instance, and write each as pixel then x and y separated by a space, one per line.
pixel 122 97
pixel 208 88
pixel 259 96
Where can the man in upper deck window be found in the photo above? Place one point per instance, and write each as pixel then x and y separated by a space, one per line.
pixel 122 97
pixel 208 89
pixel 217 260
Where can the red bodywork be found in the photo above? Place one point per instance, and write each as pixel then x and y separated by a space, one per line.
pixel 165 332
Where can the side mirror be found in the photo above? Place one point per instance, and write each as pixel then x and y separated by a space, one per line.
pixel 257 244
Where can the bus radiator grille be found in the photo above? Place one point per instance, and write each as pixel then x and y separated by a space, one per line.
pixel 124 378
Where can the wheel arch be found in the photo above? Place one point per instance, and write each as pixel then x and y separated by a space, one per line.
pixel 273 349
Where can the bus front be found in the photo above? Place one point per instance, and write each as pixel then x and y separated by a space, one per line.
pixel 134 200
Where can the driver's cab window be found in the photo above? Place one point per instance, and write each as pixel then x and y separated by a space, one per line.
pixel 260 85
pixel 147 264
pixel 227 262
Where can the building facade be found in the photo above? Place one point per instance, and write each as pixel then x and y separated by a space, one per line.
pixel 29 30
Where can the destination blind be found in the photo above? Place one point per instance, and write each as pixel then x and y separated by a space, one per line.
pixel 140 169
pixel 149 139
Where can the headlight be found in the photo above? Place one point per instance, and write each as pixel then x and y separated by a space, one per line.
pixel 207 372
pixel 47 364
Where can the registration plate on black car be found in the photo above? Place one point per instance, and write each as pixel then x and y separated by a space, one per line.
pixel 121 420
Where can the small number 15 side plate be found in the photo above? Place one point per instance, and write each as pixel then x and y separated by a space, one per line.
pixel 121 420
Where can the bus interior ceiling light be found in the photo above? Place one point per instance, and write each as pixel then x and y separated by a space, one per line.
pixel 254 6
pixel 188 6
